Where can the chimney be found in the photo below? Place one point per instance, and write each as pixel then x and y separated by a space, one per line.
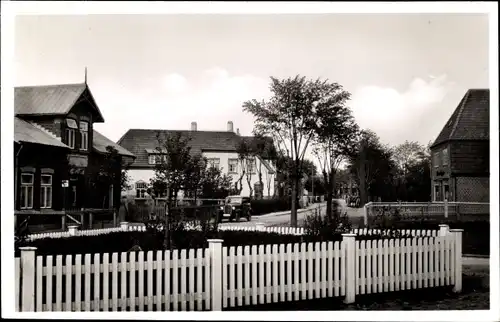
pixel 194 127
pixel 230 126
pixel 238 131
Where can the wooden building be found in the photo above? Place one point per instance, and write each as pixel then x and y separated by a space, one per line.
pixel 461 152
pixel 59 155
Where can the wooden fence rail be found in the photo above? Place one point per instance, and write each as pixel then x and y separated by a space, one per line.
pixel 220 277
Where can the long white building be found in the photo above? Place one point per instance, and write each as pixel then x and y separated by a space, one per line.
pixel 219 147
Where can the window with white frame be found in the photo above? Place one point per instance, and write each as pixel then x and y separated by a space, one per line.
pixel 445 156
pixel 157 158
pixel 84 132
pixel 214 163
pixel 27 180
pixel 71 129
pixel 251 165
pixel 141 189
pixel 233 165
pixel 46 191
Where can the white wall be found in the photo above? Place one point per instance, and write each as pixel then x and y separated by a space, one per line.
pixel 146 174
pixel 224 164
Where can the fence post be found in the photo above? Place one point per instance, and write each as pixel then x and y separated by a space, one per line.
pixel 350 259
pixel 73 230
pixel 124 225
pixel 443 229
pixel 445 208
pixel 27 279
pixel 260 226
pixel 215 249
pixel 365 213
pixel 457 234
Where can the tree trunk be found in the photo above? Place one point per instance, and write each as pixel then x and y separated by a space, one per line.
pixel 168 207
pixel 293 210
pixel 362 185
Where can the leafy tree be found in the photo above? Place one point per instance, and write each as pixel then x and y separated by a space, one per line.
pixel 214 184
pixel 371 165
pixel 290 117
pixel 112 169
pixel 336 135
pixel 406 155
pixel 174 164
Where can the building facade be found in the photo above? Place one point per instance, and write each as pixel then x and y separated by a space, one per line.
pixel 461 153
pixel 58 153
pixel 218 147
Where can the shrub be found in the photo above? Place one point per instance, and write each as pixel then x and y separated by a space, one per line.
pixel 265 206
pixel 324 227
pixel 475 239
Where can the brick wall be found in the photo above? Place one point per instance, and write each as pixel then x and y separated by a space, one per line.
pixel 473 189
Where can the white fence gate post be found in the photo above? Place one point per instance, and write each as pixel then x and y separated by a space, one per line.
pixel 27 279
pixel 350 270
pixel 124 225
pixel 215 251
pixel 443 229
pixel 73 230
pixel 457 234
pixel 365 213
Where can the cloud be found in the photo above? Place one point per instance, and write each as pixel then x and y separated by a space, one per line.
pixel 211 99
pixel 394 115
pixel 175 83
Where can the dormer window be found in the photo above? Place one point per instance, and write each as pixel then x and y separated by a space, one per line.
pixel 84 132
pixel 71 129
pixel 157 158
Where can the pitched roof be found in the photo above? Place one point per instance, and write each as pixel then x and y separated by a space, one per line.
pixel 51 99
pixel 100 142
pixel 470 120
pixel 140 141
pixel 27 132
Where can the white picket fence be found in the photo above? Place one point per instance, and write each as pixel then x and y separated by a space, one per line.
pixel 124 226
pixel 219 277
pixel 437 208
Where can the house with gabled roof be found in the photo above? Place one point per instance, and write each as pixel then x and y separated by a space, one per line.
pixel 218 147
pixel 461 152
pixel 58 152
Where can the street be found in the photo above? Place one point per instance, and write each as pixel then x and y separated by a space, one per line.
pixel 283 218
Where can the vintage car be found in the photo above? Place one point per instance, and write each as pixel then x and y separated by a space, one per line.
pixel 235 207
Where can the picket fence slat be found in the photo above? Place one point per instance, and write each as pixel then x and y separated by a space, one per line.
pixel 17 286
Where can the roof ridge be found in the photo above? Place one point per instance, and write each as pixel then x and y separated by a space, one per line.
pixel 51 85
pixel 40 127
pixel 459 114
pixel 166 130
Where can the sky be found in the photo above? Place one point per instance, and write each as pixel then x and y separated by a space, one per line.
pixel 406 72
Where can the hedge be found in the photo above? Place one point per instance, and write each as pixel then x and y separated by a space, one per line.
pixel 124 241
pixel 266 206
